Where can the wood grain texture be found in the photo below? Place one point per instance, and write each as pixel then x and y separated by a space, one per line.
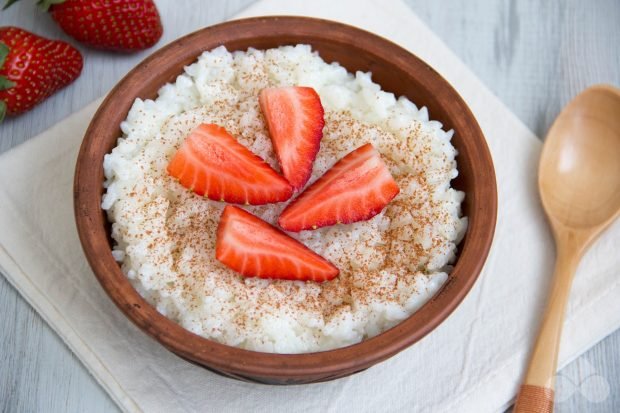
pixel 579 185
pixel 101 69
pixel 37 371
pixel 534 55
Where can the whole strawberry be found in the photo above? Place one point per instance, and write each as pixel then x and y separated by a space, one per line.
pixel 119 25
pixel 32 68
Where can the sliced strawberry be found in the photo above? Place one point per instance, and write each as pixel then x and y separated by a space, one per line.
pixel 212 163
pixel 357 188
pixel 295 121
pixel 254 248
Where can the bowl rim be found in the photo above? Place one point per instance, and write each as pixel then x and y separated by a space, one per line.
pixel 91 223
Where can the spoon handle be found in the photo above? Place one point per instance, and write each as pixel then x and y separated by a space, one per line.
pixel 536 393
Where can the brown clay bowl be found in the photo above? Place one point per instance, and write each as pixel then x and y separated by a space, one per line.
pixel 396 70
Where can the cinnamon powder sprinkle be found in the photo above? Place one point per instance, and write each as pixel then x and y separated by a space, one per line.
pixel 390 263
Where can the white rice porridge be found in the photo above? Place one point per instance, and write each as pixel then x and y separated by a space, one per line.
pixel 165 235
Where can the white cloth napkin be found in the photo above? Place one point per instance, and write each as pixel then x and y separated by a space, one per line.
pixel 472 362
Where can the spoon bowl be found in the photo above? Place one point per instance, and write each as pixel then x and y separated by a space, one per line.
pixel 579 175
pixel 579 184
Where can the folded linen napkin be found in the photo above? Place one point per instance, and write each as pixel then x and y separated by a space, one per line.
pixel 471 362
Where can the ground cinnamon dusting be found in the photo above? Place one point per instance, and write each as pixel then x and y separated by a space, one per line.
pixel 167 234
pixel 397 247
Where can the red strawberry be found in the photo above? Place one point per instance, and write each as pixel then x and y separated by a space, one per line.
pixel 121 25
pixel 32 68
pixel 212 163
pixel 294 117
pixel 254 248
pixel 357 188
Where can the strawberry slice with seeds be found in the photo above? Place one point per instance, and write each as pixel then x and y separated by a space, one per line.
pixel 355 189
pixel 253 248
pixel 210 162
pixel 294 117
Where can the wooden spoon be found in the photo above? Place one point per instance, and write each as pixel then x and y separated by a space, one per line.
pixel 579 184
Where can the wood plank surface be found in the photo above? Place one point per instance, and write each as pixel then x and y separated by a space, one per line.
pixel 535 56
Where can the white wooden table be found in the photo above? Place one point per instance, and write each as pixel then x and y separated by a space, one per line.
pixel 534 55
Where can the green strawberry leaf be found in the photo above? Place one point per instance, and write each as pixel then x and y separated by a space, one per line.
pixel 4 52
pixel 2 110
pixel 8 4
pixel 45 4
pixel 5 83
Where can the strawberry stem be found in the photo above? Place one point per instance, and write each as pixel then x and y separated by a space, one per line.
pixel 4 52
pixel 45 4
pixel 2 110
pixel 4 82
pixel 9 3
